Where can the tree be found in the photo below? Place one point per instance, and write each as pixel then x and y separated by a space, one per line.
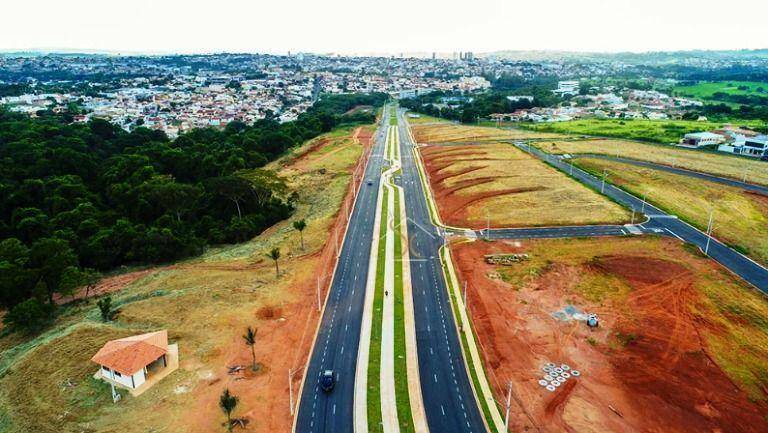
pixel 300 225
pixel 29 316
pixel 50 257
pixel 250 340
pixel 90 278
pixel 274 254
pixel 71 279
pixel 233 188
pixel 228 403
pixel 105 309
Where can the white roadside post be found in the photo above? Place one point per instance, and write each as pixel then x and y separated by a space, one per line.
pixel 709 233
pixel 290 389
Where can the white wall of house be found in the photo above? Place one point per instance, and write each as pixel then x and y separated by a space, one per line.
pixel 123 379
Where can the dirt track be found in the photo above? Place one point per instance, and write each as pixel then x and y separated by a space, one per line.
pixel 646 368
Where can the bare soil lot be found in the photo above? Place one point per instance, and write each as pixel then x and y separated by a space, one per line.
pixel 476 183
pixel 682 345
pixel 451 132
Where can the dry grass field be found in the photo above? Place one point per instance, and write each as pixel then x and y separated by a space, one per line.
pixel 679 336
pixel 474 182
pixel 740 217
pixel 451 132
pixel 205 303
pixel 717 164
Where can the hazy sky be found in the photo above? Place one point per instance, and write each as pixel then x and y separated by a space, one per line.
pixel 391 26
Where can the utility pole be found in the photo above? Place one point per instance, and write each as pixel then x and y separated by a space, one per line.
pixel 744 178
pixel 509 403
pixel 643 210
pixel 571 173
pixel 709 233
pixel 465 294
pixel 602 187
pixel 290 389
pixel 487 226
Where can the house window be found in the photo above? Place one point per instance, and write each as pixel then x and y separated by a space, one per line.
pixel 118 374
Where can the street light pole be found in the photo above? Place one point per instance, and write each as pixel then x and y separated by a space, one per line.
pixel 509 403
pixel 643 210
pixel 602 187
pixel 709 233
pixel 318 294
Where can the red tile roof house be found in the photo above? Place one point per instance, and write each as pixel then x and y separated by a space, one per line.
pixel 138 362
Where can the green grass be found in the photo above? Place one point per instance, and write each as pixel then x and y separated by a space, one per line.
pixel 403 399
pixel 656 131
pixel 706 90
pixel 468 359
pixel 374 351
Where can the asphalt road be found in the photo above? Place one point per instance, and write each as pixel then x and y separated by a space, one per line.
pixel 704 176
pixel 336 345
pixel 737 263
pixel 448 400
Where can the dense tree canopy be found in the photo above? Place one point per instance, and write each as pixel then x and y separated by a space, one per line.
pixel 75 197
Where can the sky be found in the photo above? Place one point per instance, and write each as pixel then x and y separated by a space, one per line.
pixel 384 27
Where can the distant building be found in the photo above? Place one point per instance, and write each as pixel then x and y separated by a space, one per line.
pixel 518 98
pixel 700 139
pixel 567 88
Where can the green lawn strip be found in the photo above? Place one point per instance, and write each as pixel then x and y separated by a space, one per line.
pixel 374 359
pixel 402 399
pixel 427 195
pixel 468 359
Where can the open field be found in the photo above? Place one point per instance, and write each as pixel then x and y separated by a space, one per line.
pixel 707 90
pixel 451 132
pixel 205 303
pixel 658 131
pixel 740 217
pixel 679 337
pixel 717 164
pixel 473 183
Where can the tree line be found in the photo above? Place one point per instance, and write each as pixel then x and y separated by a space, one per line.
pixel 78 199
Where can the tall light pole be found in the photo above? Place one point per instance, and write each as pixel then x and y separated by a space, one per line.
pixel 291 372
pixel 643 209
pixel 709 233
pixel 318 294
pixel 602 187
pixel 509 403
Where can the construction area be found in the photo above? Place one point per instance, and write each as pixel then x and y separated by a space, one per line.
pixel 616 334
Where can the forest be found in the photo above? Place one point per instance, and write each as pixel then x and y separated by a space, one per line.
pixel 80 199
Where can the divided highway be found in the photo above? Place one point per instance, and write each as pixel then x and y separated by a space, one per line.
pixel 448 397
pixel 336 344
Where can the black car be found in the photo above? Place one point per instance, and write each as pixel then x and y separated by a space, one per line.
pixel 327 380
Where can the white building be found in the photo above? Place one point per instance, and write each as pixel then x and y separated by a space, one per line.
pixel 700 139
pixel 567 88
pixel 133 361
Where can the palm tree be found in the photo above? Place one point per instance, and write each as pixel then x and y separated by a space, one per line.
pixel 250 340
pixel 227 403
pixel 300 225
pixel 274 254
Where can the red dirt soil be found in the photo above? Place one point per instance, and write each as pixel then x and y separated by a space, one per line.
pixel 662 380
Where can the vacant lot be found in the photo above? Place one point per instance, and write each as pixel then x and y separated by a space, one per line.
pixel 473 183
pixel 206 304
pixel 658 131
pixel 679 338
pixel 740 217
pixel 718 164
pixel 451 133
pixel 423 118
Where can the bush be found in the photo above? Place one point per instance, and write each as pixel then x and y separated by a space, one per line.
pixel 29 316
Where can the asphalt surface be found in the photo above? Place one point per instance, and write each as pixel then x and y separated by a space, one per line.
pixel 448 399
pixel 336 345
pixel 665 223
pixel 661 167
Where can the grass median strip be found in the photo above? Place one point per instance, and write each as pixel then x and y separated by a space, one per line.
pixel 374 360
pixel 404 414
